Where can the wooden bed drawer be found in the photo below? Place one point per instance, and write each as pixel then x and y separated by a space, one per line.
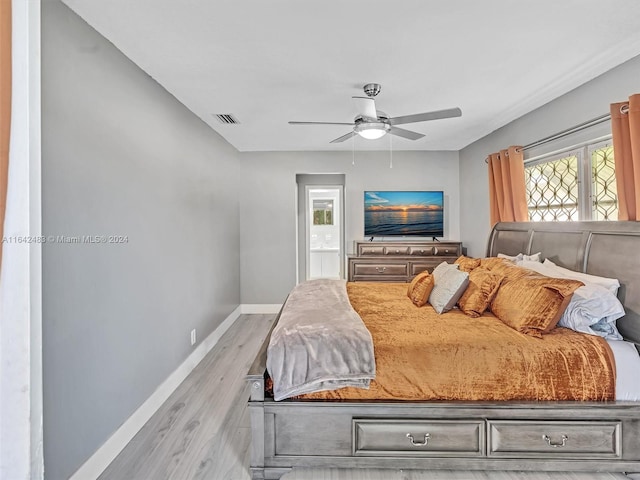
pixel 418 438
pixel 538 439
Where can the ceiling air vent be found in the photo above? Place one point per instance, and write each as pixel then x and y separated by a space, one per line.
pixel 226 118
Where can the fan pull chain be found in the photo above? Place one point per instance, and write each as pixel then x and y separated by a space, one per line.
pixel 390 151
pixel 353 149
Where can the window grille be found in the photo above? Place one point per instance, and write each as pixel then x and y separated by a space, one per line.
pixel 552 189
pixel 574 185
pixel 604 194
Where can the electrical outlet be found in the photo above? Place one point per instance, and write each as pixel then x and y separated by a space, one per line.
pixel 193 336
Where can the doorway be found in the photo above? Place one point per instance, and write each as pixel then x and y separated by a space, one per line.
pixel 324 220
pixel 320 226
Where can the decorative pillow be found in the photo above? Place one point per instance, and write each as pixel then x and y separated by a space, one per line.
pixel 490 262
pixel 448 289
pixel 533 304
pixel 483 286
pixel 510 271
pixel 440 269
pixel 467 264
pixel 611 284
pixel 420 288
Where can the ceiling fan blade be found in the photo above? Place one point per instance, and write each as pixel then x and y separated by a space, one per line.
pixel 423 117
pixel 366 106
pixel 401 132
pixel 321 123
pixel 344 137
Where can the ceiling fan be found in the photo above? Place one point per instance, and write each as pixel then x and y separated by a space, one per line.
pixel 372 124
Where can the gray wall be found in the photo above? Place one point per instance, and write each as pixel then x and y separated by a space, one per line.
pixel 122 156
pixel 268 205
pixel 584 103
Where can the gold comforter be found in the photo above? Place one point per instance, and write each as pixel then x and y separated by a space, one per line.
pixel 421 355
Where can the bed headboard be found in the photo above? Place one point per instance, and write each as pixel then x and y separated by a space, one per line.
pixel 607 249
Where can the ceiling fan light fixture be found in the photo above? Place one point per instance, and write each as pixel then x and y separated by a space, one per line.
pixel 372 131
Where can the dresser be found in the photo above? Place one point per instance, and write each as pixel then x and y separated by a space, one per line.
pixel 398 261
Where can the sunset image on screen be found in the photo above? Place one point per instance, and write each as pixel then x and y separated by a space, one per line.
pixel 403 213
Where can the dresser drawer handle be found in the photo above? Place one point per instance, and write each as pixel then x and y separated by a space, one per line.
pixel 381 269
pixel 418 444
pixel 421 251
pixel 547 438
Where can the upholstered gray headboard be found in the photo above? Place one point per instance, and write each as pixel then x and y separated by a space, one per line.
pixel 607 249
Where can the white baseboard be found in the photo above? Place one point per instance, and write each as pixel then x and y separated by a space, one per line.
pixel 249 308
pixel 100 460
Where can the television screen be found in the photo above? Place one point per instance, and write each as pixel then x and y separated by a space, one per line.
pixel 403 213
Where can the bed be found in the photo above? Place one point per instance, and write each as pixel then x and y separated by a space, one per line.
pixel 547 435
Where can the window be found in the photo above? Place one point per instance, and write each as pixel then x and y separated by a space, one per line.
pixel 323 212
pixel 575 185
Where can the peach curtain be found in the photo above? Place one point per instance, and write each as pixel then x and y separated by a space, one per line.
pixel 507 191
pixel 5 106
pixel 625 127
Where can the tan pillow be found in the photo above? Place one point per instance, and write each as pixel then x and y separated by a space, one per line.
pixel 483 286
pixel 510 271
pixel 420 288
pixel 533 304
pixel 467 264
pixel 491 262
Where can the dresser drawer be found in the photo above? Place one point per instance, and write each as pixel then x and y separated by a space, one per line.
pixel 446 250
pixel 417 438
pixel 533 439
pixel 421 251
pixel 396 250
pixel 418 267
pixel 380 269
pixel 366 250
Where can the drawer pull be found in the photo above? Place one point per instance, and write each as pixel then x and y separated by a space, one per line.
pixel 421 251
pixel 555 445
pixel 418 444
pixel 381 269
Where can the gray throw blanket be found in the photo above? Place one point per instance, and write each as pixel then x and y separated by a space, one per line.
pixel 319 343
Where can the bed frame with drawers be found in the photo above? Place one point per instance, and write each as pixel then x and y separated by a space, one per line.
pixel 544 436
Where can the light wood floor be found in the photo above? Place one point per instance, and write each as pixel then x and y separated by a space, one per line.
pixel 202 431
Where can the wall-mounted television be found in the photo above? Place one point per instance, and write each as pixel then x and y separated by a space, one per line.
pixel 398 213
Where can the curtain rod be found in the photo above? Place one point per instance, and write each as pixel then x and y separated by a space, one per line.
pixel 582 126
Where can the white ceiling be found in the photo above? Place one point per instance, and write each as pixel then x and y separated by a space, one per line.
pixel 268 62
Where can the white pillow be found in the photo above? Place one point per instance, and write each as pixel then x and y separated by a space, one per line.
pixel 440 269
pixel 516 258
pixel 594 310
pixel 532 258
pixel 541 268
pixel 522 257
pixel 611 284
pixel 447 289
